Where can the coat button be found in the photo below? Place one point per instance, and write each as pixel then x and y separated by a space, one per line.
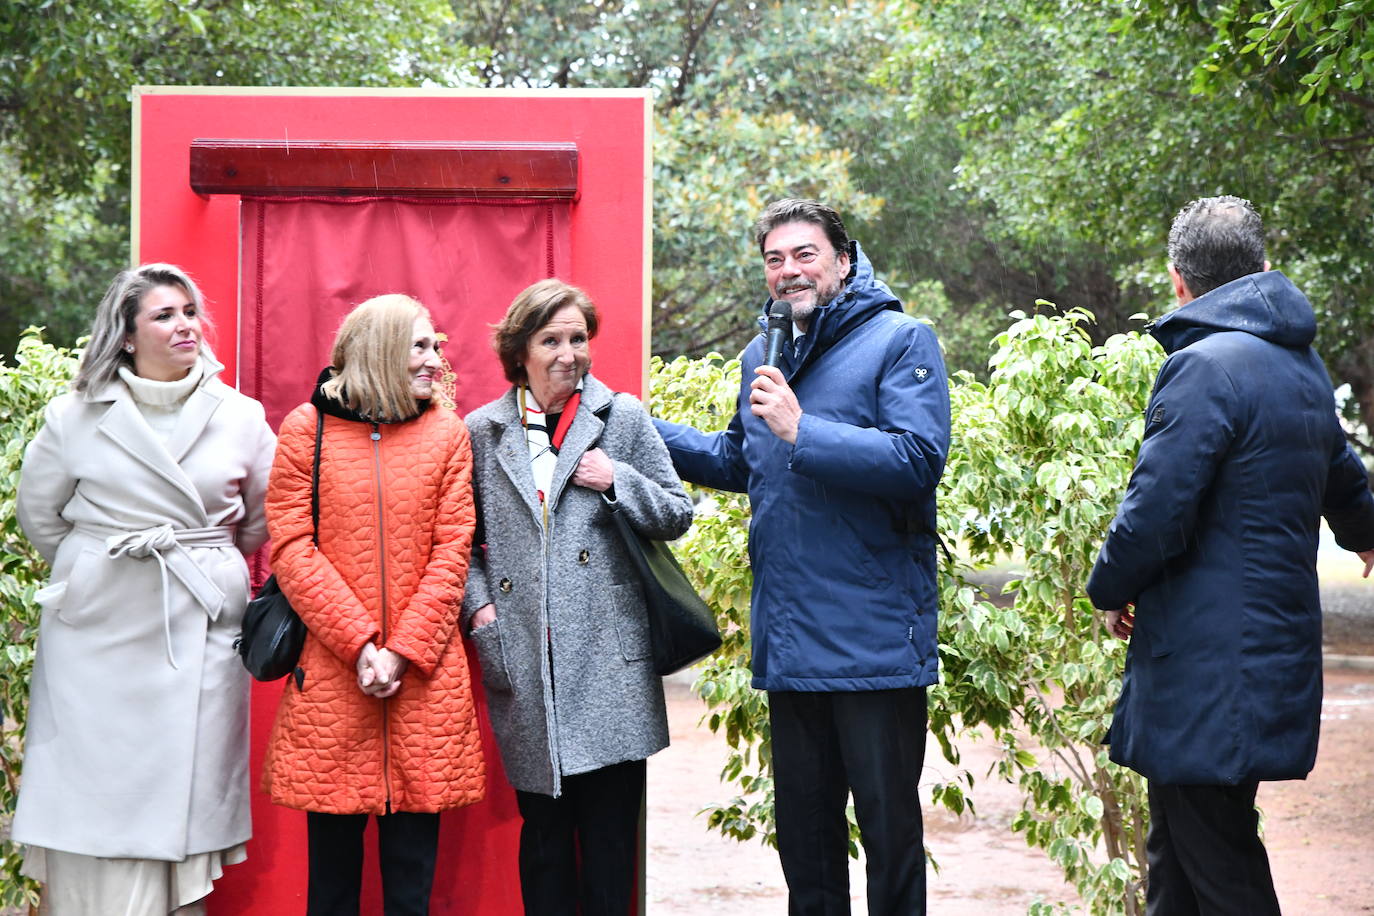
pixel 505 586
pixel 583 556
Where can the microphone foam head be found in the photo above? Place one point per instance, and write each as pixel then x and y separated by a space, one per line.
pixel 780 310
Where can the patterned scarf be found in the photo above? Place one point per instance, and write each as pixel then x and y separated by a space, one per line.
pixel 543 442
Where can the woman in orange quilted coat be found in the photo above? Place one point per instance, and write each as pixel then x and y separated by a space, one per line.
pixel 378 718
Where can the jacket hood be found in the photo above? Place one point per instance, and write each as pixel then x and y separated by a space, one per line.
pixel 863 296
pixel 331 407
pixel 1266 305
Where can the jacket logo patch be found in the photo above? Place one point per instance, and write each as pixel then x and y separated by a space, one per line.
pixel 1157 416
pixel 921 373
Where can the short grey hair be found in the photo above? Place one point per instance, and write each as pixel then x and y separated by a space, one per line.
pixel 1215 240
pixel 114 321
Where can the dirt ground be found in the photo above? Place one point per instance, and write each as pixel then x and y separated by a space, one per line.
pixel 1320 832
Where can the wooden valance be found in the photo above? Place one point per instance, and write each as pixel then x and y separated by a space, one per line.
pixel 354 168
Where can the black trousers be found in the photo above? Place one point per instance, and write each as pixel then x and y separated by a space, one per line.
pixel 407 844
pixel 826 745
pixel 1205 855
pixel 581 848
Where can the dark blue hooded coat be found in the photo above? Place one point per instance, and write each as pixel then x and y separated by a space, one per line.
pixel 1216 543
pixel 842 537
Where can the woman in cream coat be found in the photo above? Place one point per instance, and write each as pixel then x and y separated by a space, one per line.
pixel 144 491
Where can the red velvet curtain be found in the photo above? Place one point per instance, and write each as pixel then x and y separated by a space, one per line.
pixel 305 262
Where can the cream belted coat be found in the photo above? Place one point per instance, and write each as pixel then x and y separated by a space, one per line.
pixel 137 741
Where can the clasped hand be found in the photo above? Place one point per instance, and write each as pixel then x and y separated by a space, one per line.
pixel 1121 622
pixel 379 671
pixel 595 471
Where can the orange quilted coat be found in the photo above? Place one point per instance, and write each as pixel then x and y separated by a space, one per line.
pixel 396 525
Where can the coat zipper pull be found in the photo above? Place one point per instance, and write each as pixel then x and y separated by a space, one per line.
pixel 376 433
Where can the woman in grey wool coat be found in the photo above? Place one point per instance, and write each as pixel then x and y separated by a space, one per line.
pixel 554 605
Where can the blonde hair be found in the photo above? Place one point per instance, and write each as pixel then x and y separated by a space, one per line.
pixel 115 319
pixel 371 358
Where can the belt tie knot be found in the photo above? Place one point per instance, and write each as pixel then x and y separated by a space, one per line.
pixel 142 544
pixel 168 547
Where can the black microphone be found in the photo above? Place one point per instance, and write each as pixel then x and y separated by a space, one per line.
pixel 779 326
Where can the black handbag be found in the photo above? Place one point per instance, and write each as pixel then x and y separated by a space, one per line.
pixel 273 633
pixel 682 628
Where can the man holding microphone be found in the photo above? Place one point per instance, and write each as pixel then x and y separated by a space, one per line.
pixel 840 446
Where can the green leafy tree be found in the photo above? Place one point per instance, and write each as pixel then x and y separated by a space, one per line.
pixel 66 71
pixel 57 253
pixel 1090 124
pixel 1312 50
pixel 37 374
pixel 67 67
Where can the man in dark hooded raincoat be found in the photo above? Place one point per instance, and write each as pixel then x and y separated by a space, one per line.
pixel 840 448
pixel 1210 565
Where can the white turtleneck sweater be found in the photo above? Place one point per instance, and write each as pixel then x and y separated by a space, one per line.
pixel 161 402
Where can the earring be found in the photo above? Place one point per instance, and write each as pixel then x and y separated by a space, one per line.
pixel 128 348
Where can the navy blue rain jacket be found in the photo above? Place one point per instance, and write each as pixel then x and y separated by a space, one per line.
pixel 842 537
pixel 1216 542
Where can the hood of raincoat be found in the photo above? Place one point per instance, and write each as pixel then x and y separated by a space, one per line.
pixel 1266 305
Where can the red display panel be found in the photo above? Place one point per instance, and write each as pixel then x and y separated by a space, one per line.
pixel 608 225
pixel 600 242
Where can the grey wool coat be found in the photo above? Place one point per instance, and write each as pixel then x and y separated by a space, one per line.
pixel 137 741
pixel 570 683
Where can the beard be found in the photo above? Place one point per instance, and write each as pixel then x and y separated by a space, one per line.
pixel 802 311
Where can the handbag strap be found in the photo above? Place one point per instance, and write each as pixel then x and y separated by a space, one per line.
pixel 603 413
pixel 315 479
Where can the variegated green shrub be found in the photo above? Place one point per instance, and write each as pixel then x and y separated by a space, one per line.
pixel 36 375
